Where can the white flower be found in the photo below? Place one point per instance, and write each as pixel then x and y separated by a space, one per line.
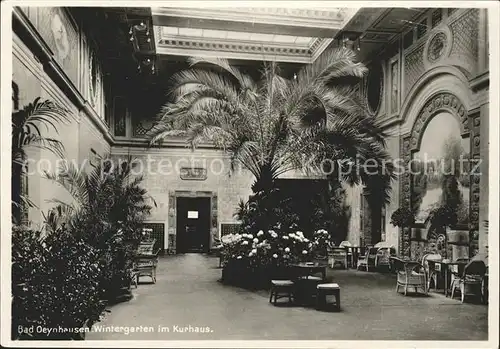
pixel 275 255
pixel 274 235
pixel 256 240
pixel 285 237
pixel 260 233
pixel 306 240
pixel 250 254
pixel 239 257
pixel 304 252
pixel 287 250
pixel 310 245
pixel 254 251
pixel 244 242
pixel 299 233
pixel 250 236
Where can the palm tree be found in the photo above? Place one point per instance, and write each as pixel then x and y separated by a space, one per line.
pixel 106 210
pixel 277 125
pixel 103 202
pixel 27 126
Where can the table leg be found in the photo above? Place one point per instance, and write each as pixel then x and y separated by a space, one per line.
pixel 446 281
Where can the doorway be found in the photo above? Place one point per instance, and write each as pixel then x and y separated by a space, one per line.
pixel 193 225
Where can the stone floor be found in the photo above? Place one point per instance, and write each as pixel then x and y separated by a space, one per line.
pixel 187 293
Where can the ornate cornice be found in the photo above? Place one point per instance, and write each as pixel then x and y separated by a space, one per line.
pixel 320 25
pixel 237 49
pixel 328 19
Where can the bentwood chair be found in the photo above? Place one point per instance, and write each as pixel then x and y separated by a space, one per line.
pixel 369 259
pixel 429 262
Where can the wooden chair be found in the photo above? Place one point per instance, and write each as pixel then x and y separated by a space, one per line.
pixel 456 272
pixel 368 260
pixel 429 262
pixel 145 265
pixel 410 274
pixel 472 277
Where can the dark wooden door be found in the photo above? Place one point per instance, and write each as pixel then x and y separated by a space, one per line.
pixel 193 225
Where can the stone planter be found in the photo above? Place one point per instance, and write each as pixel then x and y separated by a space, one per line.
pixel 239 273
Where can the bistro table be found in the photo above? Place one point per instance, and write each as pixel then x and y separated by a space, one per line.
pixel 356 251
pixel 308 268
pixel 445 269
pixel 305 284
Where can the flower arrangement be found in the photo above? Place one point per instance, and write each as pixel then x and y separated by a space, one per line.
pixel 321 240
pixel 272 248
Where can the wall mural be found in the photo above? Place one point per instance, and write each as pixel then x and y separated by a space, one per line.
pixel 440 169
pixel 61 34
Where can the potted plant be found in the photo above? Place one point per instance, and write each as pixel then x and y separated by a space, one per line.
pixel 439 220
pixel 403 218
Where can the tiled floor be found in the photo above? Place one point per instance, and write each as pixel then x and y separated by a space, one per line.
pixel 187 293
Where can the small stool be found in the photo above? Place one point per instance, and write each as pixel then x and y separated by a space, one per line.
pixel 281 289
pixel 322 290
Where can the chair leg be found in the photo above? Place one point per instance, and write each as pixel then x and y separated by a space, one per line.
pixel 397 287
pixel 462 292
pixel 271 296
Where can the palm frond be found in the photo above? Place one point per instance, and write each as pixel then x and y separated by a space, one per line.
pixel 26 124
pixel 245 81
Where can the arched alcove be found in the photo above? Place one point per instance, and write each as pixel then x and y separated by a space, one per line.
pixel 444 113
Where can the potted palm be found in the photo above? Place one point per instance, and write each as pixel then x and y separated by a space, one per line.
pixel 270 126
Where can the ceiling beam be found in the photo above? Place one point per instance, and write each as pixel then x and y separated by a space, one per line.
pixel 240 26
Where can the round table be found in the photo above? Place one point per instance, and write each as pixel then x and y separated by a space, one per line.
pixel 306 269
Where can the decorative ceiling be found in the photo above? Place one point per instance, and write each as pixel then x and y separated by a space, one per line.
pixel 261 34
